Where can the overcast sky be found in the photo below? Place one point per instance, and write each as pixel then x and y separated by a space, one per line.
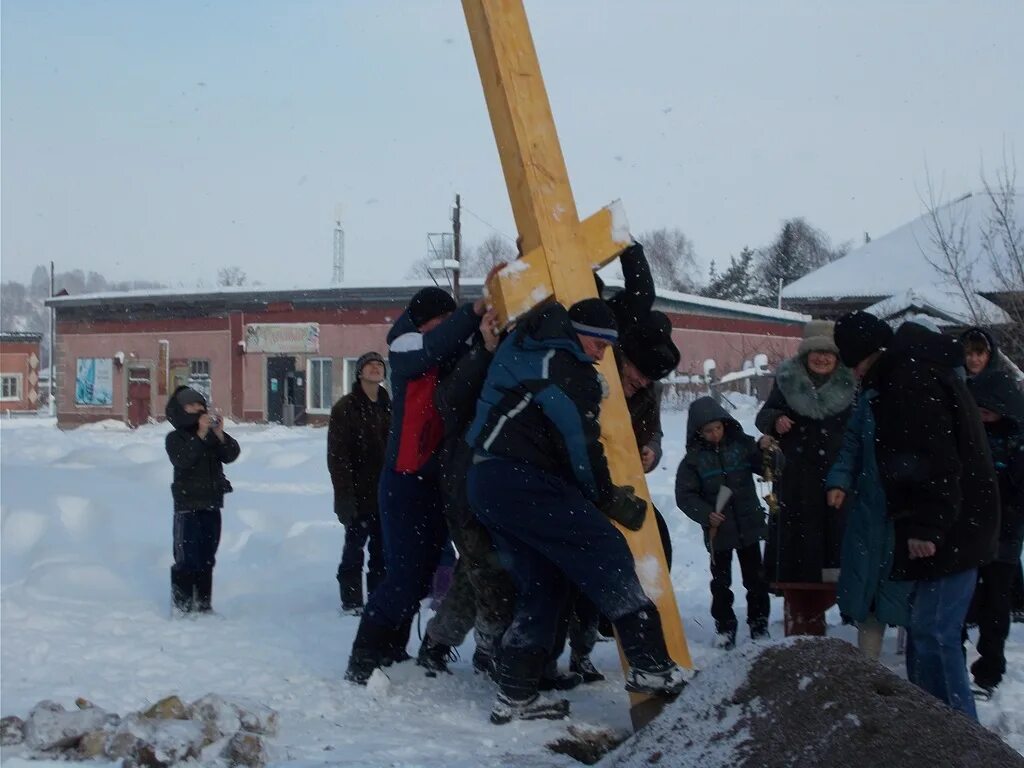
pixel 165 140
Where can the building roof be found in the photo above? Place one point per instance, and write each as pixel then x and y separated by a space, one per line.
pixel 898 261
pixel 247 297
pixel 948 308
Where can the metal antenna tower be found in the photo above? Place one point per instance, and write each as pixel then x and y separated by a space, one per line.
pixel 339 250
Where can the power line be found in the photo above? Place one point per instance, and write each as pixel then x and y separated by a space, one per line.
pixel 487 224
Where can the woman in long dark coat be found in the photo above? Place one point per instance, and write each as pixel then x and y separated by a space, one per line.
pixel 807 413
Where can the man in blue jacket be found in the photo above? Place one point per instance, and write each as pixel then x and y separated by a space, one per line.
pixel 540 484
pixel 422 344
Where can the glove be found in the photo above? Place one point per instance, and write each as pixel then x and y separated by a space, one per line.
pixel 345 509
pixel 626 508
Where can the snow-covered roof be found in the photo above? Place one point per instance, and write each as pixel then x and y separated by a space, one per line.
pixel 897 261
pixel 947 306
pixel 348 291
pixel 722 306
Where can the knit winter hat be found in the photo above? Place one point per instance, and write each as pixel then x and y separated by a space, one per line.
pixel 648 345
pixel 368 357
pixel 859 335
pixel 187 396
pixel 429 303
pixel 593 317
pixel 819 336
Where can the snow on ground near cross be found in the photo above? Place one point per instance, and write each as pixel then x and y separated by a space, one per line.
pixel 86 547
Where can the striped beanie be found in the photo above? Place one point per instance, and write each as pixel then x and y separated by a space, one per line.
pixel 593 317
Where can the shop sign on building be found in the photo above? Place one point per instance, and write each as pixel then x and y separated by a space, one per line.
pixel 282 337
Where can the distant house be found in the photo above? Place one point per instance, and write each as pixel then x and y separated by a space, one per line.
pixel 19 371
pixel 891 276
pixel 286 355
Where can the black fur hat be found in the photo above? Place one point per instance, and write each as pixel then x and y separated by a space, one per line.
pixel 859 335
pixel 648 345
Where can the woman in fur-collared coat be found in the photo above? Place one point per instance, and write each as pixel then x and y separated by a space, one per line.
pixel 807 413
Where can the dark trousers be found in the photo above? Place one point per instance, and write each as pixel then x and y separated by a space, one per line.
pixel 754 581
pixel 548 536
pixel 363 533
pixel 196 538
pixel 1017 595
pixel 990 610
pixel 482 594
pixel 414 533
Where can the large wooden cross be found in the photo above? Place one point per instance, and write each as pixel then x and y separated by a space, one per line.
pixel 560 254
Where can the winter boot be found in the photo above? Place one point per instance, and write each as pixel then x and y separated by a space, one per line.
pixel 535 707
pixel 666 681
pixel 398 639
pixel 204 591
pixel 725 639
pixel 434 656
pixel 350 585
pixel 643 644
pixel 583 666
pixel 182 592
pixel 553 679
pixel 368 651
pixel 759 630
pixel 483 662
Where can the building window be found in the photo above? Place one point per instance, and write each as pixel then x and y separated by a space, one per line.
pixel 350 374
pixel 319 379
pixel 10 386
pixel 199 378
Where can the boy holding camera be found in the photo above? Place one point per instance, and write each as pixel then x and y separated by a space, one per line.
pixel 198 448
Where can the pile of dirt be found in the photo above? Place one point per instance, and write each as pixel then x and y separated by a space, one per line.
pixel 810 702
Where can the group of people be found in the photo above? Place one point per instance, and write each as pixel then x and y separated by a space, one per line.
pixel 899 473
pixel 897 460
pixel 494 445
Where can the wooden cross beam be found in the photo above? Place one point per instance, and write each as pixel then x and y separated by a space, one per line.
pixel 560 255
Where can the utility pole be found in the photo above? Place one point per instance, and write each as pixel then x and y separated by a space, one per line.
pixel 457 244
pixel 52 405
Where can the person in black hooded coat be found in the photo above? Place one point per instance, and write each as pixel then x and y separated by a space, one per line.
pixel 1002 411
pixel 981 355
pixel 719 454
pixel 940 487
pixel 198 448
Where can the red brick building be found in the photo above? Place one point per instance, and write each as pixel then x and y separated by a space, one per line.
pixel 267 355
pixel 19 371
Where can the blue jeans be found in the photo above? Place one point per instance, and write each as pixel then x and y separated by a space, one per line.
pixel 935 659
pixel 549 535
pixel 414 535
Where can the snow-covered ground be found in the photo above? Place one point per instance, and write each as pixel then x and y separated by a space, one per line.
pixel 86 547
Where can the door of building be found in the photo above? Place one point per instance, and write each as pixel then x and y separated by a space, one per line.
pixel 278 369
pixel 139 391
pixel 295 399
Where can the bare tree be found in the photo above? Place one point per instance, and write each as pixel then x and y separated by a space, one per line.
pixel 672 258
pixel 231 276
pixel 1001 238
pixel 493 250
pixel 948 251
